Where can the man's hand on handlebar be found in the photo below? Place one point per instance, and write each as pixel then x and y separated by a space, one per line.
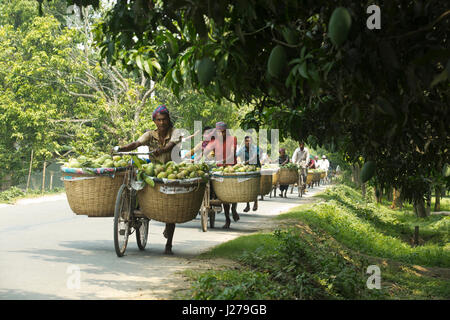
pixel 157 152
pixel 115 149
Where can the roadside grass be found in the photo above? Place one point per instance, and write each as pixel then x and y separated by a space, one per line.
pixel 322 251
pixel 376 230
pixel 13 194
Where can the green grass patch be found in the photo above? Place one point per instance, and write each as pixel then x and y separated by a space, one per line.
pixel 323 252
pixel 374 230
pixel 241 245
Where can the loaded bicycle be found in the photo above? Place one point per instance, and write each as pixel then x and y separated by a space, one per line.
pixel 127 218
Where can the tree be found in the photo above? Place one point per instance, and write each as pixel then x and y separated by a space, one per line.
pixel 382 95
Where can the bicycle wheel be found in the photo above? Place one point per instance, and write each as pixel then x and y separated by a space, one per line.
pixel 142 233
pixel 122 220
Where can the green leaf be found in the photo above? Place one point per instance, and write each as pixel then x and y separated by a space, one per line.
pixel 303 70
pixel 156 64
pixel 139 62
pixel 439 78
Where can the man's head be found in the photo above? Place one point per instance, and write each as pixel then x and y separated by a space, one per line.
pixel 301 144
pixel 161 117
pixel 324 157
pixel 221 127
pixel 282 151
pixel 248 141
pixel 316 158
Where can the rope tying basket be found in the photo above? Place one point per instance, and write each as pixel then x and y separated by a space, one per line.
pixel 92 194
pixel 238 187
pixel 173 202
pixel 288 176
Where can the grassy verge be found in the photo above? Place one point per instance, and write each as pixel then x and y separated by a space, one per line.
pixel 322 251
pixel 13 194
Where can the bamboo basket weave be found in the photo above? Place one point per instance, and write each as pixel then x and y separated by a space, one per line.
pixel 265 184
pixel 322 175
pixel 288 176
pixel 157 205
pixel 94 197
pixel 232 189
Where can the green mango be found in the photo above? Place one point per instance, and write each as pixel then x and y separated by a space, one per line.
pixel 290 36
pixel 339 26
pixel 162 175
pixel 206 71
pixel 117 158
pixel 181 175
pixel 277 61
pixel 149 181
pixel 171 176
pixel 367 171
pixel 150 169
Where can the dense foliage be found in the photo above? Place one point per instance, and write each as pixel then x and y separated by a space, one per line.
pixel 379 94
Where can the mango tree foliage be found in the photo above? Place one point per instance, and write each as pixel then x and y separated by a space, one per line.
pixel 30 98
pixel 380 95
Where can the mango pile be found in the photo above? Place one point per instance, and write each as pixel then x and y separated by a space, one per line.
pixel 290 165
pixel 236 168
pixel 100 161
pixel 170 171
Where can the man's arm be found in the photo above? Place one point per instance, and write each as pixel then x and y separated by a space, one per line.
pixel 294 156
pixel 129 147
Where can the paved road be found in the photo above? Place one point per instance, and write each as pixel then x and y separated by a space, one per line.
pixel 48 252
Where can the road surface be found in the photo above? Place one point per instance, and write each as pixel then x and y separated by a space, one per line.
pixel 48 252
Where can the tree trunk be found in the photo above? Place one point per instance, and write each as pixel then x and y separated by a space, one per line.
pixel 356 174
pixel 390 194
pixel 437 203
pixel 378 194
pixel 397 199
pixel 419 208
pixel 363 189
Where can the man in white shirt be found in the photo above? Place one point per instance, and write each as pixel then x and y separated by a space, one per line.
pixel 301 155
pixel 301 158
pixel 324 164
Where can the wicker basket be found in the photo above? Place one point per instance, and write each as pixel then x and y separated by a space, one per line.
pixel 275 178
pixel 322 175
pixel 265 185
pixel 288 176
pixel 309 177
pixel 94 196
pixel 173 202
pixel 237 188
pixel 316 177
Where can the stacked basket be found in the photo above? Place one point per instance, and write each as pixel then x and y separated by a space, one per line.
pixel 267 177
pixel 288 176
pixel 92 194
pixel 237 187
pixel 172 201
